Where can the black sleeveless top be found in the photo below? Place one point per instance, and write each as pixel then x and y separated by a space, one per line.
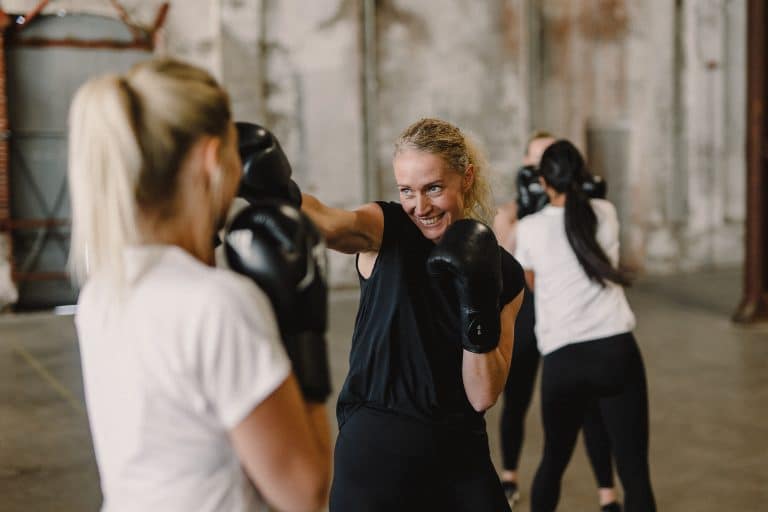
pixel 406 354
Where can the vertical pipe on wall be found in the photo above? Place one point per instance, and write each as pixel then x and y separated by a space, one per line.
pixel 5 134
pixel 754 304
pixel 371 179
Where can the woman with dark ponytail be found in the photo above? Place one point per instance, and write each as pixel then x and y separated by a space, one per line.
pixel 570 252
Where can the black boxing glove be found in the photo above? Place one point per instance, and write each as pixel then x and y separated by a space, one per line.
pixel 531 196
pixel 277 246
pixel 266 170
pixel 468 255
pixel 594 187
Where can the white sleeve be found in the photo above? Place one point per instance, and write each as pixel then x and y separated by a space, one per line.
pixel 522 252
pixel 608 231
pixel 243 359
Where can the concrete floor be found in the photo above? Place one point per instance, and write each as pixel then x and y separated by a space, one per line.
pixel 708 391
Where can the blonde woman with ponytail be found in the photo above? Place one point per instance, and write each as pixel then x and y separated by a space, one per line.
pixel 433 336
pixel 191 399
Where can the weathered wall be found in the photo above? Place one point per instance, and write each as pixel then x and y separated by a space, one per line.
pixel 290 64
pixel 312 100
pixel 456 60
pixel 652 91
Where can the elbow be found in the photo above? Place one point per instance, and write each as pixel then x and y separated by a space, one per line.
pixel 305 489
pixel 317 489
pixel 312 495
pixel 483 401
pixel 321 489
pixel 316 497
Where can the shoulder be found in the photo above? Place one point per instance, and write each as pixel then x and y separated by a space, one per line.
pixel 603 206
pixel 228 293
pixel 513 276
pixel 391 210
pixel 397 225
pixel 509 265
pixel 530 224
pixel 605 211
pixel 187 285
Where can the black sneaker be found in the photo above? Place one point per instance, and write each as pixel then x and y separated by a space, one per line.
pixel 611 507
pixel 511 492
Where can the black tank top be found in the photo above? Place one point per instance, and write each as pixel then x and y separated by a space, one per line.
pixel 406 351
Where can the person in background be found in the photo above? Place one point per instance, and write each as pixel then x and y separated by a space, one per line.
pixel 591 361
pixel 525 356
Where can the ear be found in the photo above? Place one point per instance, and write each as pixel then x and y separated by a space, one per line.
pixel 211 158
pixel 469 178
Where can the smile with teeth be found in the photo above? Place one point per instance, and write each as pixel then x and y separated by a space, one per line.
pixel 430 221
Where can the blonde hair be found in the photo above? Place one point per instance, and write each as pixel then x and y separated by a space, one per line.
pixel 443 139
pixel 128 136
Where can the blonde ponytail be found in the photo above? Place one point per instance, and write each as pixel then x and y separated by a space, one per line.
pixel 104 162
pixel 478 199
pixel 128 137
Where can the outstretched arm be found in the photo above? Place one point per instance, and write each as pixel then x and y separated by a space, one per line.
pixel 347 231
pixel 505 225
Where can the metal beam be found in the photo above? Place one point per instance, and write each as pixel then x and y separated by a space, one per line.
pixel 371 177
pixel 5 194
pixel 754 304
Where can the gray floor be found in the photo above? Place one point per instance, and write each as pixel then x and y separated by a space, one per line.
pixel 708 391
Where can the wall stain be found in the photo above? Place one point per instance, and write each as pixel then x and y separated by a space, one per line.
pixel 604 20
pixel 388 14
pixel 510 29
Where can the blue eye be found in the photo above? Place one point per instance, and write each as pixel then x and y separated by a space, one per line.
pixel 434 189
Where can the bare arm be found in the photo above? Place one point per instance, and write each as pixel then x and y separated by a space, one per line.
pixel 505 226
pixel 284 444
pixel 485 375
pixel 355 231
pixel 529 279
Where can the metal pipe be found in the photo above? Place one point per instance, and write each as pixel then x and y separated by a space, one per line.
pixel 754 304
pixel 92 44
pixel 371 179
pixel 5 208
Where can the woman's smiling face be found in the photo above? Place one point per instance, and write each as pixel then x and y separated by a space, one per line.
pixel 430 192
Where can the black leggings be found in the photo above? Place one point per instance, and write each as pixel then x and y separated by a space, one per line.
pixel 606 374
pixel 385 462
pixel 517 397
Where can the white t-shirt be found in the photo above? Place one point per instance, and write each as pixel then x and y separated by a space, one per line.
pixel 571 308
pixel 169 369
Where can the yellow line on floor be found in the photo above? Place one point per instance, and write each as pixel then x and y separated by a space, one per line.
pixel 50 379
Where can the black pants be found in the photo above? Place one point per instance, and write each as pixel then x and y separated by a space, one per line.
pixel 385 462
pixel 607 375
pixel 517 397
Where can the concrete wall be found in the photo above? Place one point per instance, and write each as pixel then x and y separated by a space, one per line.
pixel 462 61
pixel 652 91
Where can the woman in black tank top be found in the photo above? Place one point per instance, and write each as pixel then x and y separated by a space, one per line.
pixel 411 428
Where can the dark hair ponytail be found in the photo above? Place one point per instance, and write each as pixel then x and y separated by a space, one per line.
pixel 562 167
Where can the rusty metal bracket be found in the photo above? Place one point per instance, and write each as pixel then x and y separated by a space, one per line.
pixel 144 37
pixel 50 228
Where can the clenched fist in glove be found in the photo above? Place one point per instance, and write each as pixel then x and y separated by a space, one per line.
pixel 468 255
pixel 277 246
